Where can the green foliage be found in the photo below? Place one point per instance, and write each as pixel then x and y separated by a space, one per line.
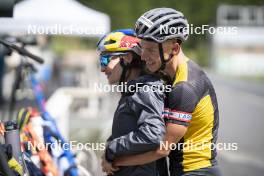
pixel 124 13
pixel 62 44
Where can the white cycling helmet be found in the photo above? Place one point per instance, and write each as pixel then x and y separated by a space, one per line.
pixel 148 25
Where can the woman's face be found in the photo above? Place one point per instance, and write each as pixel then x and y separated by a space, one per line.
pixel 113 70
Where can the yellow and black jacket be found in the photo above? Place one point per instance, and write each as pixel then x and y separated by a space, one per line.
pixel 192 102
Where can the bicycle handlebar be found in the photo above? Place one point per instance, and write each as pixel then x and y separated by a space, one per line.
pixel 22 51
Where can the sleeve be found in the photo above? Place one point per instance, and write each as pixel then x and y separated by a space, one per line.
pixel 182 101
pixel 151 127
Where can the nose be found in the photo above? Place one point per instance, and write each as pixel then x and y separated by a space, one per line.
pixel 143 55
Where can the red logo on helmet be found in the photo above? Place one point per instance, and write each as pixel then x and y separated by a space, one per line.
pixel 129 42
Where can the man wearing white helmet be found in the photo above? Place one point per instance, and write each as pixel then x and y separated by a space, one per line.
pixel 191 113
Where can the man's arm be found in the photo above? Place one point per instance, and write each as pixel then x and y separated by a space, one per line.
pixel 174 133
pixel 182 102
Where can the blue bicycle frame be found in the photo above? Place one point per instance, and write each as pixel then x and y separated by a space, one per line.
pixel 52 135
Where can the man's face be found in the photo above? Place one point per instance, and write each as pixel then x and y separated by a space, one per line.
pixel 150 54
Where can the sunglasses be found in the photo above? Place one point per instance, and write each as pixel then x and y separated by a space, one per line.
pixel 106 58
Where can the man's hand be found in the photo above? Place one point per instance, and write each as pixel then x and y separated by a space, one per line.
pixel 173 135
pixel 108 167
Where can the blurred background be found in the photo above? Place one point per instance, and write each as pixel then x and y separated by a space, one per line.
pixel 235 64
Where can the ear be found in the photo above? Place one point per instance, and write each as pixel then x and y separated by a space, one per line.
pixel 128 58
pixel 176 47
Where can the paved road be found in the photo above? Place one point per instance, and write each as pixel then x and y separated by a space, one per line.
pixel 241 105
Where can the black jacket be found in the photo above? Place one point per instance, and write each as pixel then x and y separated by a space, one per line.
pixel 138 125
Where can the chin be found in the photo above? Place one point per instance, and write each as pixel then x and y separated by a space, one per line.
pixel 152 69
pixel 112 81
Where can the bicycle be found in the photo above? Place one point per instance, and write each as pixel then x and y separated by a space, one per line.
pixel 65 159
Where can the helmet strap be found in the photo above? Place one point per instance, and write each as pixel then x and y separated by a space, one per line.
pixel 163 61
pixel 124 71
pixel 126 67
